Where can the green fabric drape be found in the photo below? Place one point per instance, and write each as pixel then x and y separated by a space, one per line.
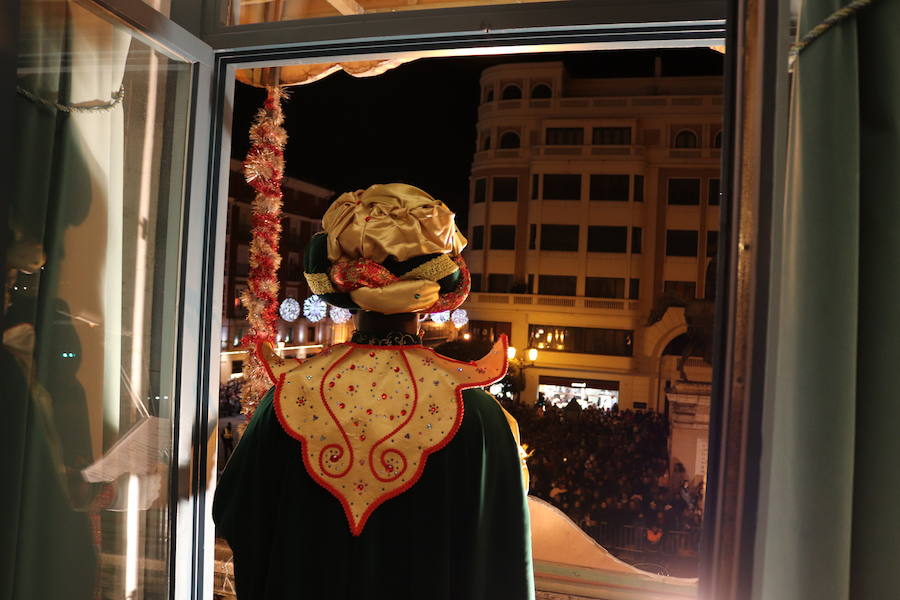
pixel 460 533
pixel 828 525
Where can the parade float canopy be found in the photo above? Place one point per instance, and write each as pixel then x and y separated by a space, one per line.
pixel 304 73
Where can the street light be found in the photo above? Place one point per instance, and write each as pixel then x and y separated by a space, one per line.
pixel 515 377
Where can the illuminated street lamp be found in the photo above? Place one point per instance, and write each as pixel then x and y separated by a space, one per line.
pixel 514 382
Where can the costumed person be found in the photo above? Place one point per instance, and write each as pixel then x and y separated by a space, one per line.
pixel 380 468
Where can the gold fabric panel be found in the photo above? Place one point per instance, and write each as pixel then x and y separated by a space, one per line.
pixel 369 416
pixel 523 456
pixel 319 283
pixel 393 219
pixel 433 270
pixel 407 295
pixel 274 365
pixel 308 73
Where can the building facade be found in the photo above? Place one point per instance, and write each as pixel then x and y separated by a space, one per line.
pixel 304 205
pixel 593 224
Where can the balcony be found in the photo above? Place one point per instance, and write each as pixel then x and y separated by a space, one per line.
pixel 586 150
pixel 579 104
pixel 538 301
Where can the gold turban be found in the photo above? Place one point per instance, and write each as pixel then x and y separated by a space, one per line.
pixel 393 219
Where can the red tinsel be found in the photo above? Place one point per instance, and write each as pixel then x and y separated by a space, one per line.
pixel 264 171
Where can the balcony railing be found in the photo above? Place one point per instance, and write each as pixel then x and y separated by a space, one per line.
pixel 631 150
pixel 632 538
pixel 519 301
pixel 554 104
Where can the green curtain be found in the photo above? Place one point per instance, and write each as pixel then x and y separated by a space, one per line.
pixel 829 516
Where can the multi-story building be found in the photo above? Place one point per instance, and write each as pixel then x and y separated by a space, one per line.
pixel 304 205
pixel 592 201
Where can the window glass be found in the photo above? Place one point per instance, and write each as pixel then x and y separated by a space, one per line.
pixel 712 243
pixel 611 136
pixel 684 191
pixel 562 187
pixel 503 237
pixel 681 242
pixel 490 330
pixel 610 188
pixel 511 92
pixel 686 139
pixel 557 285
pixel 559 237
pixel 687 290
pixel 532 236
pixel 506 189
pixel 486 143
pixel 534 185
pixel 607 238
pixel 247 12
pixel 636 240
pixel 476 282
pixel 717 140
pixel 638 188
pixel 480 190
pixel 604 287
pixel 92 307
pixel 564 136
pixel 500 282
pixel 478 237
pixel 634 288
pixel 583 340
pixel 509 140
pixel 713 196
pixel 541 91
pixel 489 94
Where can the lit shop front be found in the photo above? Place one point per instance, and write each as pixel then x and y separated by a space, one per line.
pixel 588 393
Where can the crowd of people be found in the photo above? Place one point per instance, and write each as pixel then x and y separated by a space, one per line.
pixel 607 469
pixel 604 468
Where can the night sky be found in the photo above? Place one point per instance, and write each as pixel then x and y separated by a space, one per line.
pixel 416 123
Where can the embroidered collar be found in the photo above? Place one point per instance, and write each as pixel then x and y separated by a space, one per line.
pixel 368 418
pixel 392 338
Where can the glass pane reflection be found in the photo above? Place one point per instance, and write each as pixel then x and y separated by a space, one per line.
pixel 245 12
pixel 89 310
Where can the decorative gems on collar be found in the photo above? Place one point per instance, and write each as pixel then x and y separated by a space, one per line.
pixel 393 338
pixel 368 417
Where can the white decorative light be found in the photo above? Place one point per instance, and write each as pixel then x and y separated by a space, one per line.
pixel 459 317
pixel 314 309
pixel 441 317
pixel 289 309
pixel 339 315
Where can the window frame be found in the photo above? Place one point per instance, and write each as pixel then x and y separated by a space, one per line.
pixel 759 53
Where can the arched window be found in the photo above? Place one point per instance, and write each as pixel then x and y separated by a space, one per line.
pixel 489 94
pixel 541 90
pixel 511 92
pixel 486 143
pixel 717 140
pixel 508 140
pixel 686 139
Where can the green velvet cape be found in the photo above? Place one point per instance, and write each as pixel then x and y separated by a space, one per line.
pixel 460 533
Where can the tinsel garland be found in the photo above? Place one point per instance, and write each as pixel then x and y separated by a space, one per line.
pixel 263 170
